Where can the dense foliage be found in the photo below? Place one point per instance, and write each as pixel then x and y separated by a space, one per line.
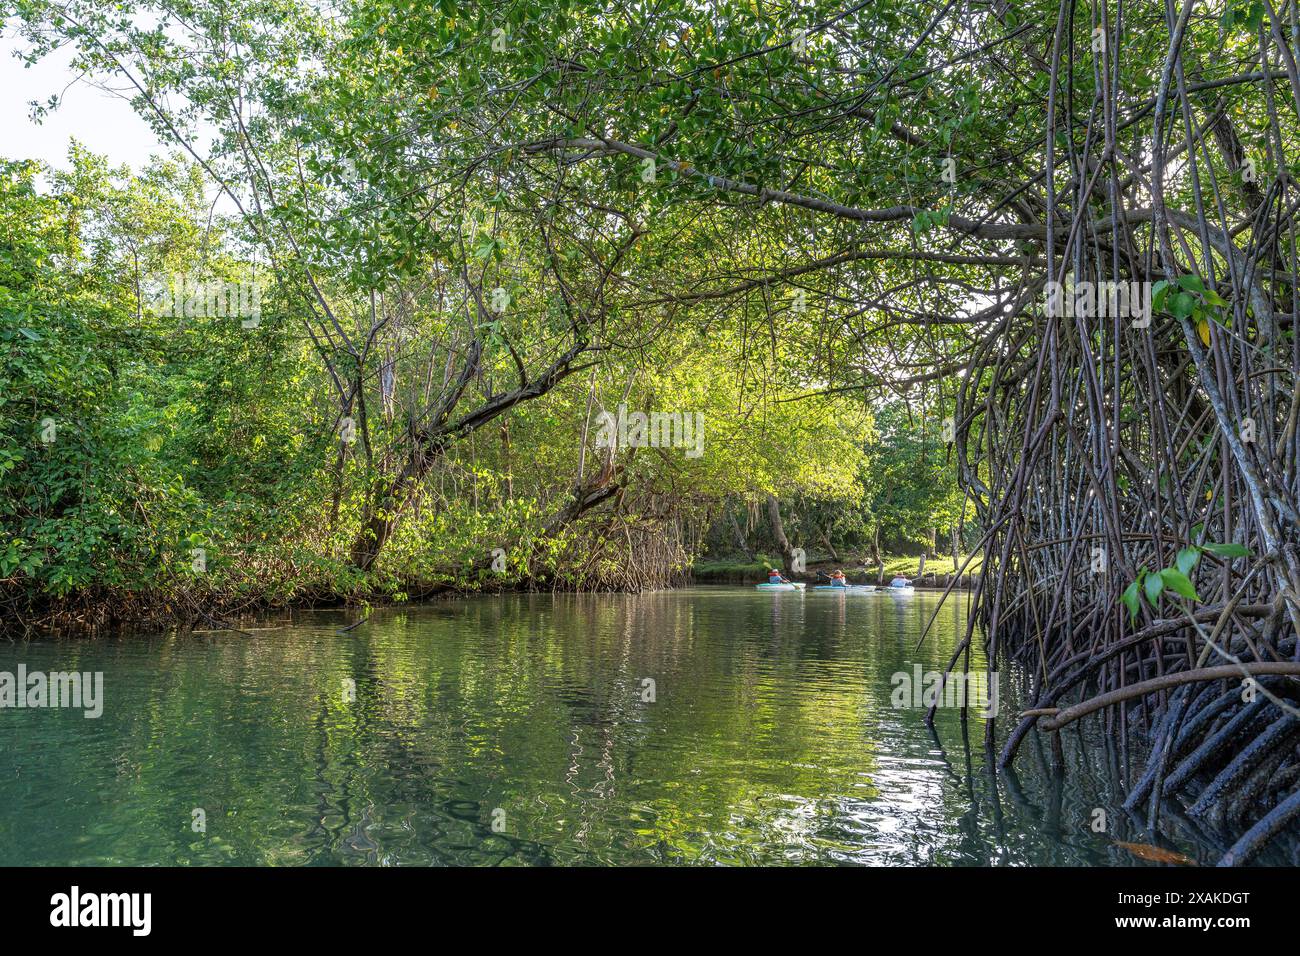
pixel 447 305
pixel 162 464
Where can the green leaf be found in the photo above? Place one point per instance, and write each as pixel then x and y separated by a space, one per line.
pixel 1187 559
pixel 1177 581
pixel 1192 283
pixel 1229 550
pixel 1159 293
pixel 1131 600
pixel 1154 585
pixel 1182 305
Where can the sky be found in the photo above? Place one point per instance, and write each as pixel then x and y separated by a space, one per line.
pixel 104 123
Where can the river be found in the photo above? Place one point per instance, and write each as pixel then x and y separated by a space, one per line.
pixel 706 725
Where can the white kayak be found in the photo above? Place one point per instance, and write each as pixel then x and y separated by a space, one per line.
pixel 792 586
pixel 856 588
pixel 905 589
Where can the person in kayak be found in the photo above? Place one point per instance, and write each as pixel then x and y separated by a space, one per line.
pixel 900 582
pixel 838 580
pixel 774 577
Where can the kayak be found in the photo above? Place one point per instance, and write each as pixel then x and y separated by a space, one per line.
pixel 859 588
pixel 793 586
pixel 906 589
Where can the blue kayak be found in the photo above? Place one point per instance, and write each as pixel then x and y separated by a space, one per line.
pixel 792 586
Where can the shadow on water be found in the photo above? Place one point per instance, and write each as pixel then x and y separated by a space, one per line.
pixel 707 725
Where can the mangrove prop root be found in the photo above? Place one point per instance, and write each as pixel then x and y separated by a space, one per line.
pixel 1251 669
pixel 1098 449
pixel 1253 840
pixel 1214 745
pixel 1166 730
pixel 1234 774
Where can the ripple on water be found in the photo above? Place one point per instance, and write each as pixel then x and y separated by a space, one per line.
pixel 518 730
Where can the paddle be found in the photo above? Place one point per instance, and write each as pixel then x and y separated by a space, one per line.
pixel 823 574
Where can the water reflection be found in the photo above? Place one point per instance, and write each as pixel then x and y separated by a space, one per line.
pixel 769 738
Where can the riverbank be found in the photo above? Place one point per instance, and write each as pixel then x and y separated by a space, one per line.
pixel 117 611
pixel 192 607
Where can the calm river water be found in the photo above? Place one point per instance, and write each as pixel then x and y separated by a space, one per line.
pixel 706 726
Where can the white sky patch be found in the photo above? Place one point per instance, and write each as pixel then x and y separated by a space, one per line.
pixel 103 123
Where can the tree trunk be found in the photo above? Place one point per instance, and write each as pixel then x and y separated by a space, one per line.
pixel 380 517
pixel 738 533
pixel 778 532
pixel 830 548
pixel 427 446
